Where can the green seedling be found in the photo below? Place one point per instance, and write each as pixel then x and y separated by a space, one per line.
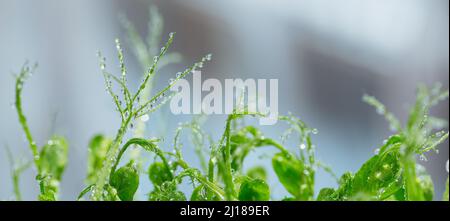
pixel 392 174
pixel 50 160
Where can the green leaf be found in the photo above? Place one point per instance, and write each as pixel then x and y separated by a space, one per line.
pixel 345 187
pixel 400 195
pixel 239 139
pixel 257 172
pixel 126 181
pixel 48 188
pixel 326 194
pixel 158 173
pixel 199 194
pixel 425 183
pixel 241 144
pixel 394 191
pixel 110 194
pixel 53 158
pixel 98 147
pixel 167 192
pixel 377 174
pixel 254 190
pixel 294 175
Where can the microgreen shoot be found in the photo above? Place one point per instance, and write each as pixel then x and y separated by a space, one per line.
pixel 392 174
pixel 50 161
pixel 130 107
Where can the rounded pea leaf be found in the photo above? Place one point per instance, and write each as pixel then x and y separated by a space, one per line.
pixel 257 173
pixel 98 147
pixel 126 181
pixel 425 183
pixel 53 161
pixel 254 190
pixel 53 158
pixel 158 173
pixel 295 177
pixel 377 174
pixel 326 194
pixel 167 192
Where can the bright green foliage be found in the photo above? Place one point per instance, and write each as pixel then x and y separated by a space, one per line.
pixel 201 193
pixel 159 173
pixel 198 139
pixel 326 194
pixel 425 183
pixel 198 194
pixel 392 174
pixel 98 147
pixel 376 175
pixel 257 172
pixel 418 137
pixel 167 192
pixel 53 157
pixel 254 190
pixel 126 181
pixel 48 188
pixel 51 160
pixel 294 175
pixel 131 107
pixel 144 49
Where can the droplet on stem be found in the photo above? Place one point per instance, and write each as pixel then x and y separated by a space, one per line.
pixel 145 118
pixel 302 146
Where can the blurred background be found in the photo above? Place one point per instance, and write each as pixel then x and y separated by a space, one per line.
pixel 325 53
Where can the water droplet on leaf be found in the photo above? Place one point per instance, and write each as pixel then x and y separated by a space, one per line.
pixel 377 151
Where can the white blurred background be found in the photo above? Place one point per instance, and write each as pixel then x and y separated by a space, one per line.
pixel 325 53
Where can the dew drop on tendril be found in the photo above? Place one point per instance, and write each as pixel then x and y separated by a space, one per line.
pixel 145 118
pixel 302 146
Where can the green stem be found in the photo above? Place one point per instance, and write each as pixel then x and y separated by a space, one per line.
pixel 109 161
pixel 23 122
pixel 141 125
pixel 227 174
pixel 211 170
pixel 210 185
pixel 16 187
pixel 412 191
pixel 139 142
